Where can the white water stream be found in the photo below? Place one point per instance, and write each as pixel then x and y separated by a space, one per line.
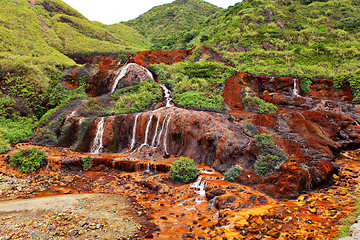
pixel 133 140
pixel 167 94
pixel 122 72
pixel 147 131
pixel 296 90
pixel 98 140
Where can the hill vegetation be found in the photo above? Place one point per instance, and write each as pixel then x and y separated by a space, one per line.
pixel 304 39
pixel 171 23
pixel 36 38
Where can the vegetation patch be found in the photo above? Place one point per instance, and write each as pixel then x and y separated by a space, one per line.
pixel 135 98
pixel 195 85
pixel 255 104
pixel 350 220
pixel 86 162
pixel 270 157
pixel 27 160
pixel 233 173
pixel 184 170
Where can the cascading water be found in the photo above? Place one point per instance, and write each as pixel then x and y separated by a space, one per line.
pixel 71 114
pixel 161 131
pixel 133 140
pixel 199 187
pixel 167 94
pixel 166 136
pixel 147 131
pixel 156 132
pixel 296 90
pixel 122 72
pixel 98 142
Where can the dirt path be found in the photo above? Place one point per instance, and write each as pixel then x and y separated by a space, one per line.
pixel 104 216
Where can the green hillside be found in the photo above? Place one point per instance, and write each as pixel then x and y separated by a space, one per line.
pixel 305 39
pixel 36 38
pixel 174 19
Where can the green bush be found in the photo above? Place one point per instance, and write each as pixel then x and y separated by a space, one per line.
pixel 28 160
pixel 86 162
pixel 264 142
pixel 184 170
pixel 270 157
pixel 4 144
pixel 305 84
pixel 195 85
pixel 233 173
pixel 135 98
pixel 266 164
pixel 255 104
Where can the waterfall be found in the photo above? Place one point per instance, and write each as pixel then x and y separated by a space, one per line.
pixel 357 123
pixel 161 131
pixel 123 70
pixel 199 186
pixel 156 132
pixel 166 135
pixel 147 131
pixel 71 114
pixel 167 94
pixel 296 90
pixel 98 143
pixel 134 133
pixel 147 167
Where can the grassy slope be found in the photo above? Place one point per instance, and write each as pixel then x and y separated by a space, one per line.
pixel 35 38
pixel 171 19
pixel 316 40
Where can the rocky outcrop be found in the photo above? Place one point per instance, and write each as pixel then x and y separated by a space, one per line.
pixel 103 76
pixel 145 58
pixel 310 128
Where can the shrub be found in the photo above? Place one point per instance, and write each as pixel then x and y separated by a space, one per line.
pixel 233 173
pixel 266 164
pixel 184 170
pixel 270 157
pixel 4 144
pixel 305 84
pixel 255 104
pixel 264 142
pixel 86 162
pixel 28 160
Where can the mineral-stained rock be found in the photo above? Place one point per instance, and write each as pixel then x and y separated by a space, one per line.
pixel 145 58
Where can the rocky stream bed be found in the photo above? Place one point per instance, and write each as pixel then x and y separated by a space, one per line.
pixel 147 204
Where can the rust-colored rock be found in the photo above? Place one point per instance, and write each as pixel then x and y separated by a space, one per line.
pixel 145 58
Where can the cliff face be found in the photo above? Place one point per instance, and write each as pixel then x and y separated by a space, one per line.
pixel 310 127
pixel 145 58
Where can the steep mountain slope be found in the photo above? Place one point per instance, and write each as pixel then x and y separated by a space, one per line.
pixel 303 39
pixel 36 38
pixel 166 20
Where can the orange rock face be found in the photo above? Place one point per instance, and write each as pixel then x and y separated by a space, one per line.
pixel 145 58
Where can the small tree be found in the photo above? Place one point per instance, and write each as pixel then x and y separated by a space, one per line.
pixel 184 170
